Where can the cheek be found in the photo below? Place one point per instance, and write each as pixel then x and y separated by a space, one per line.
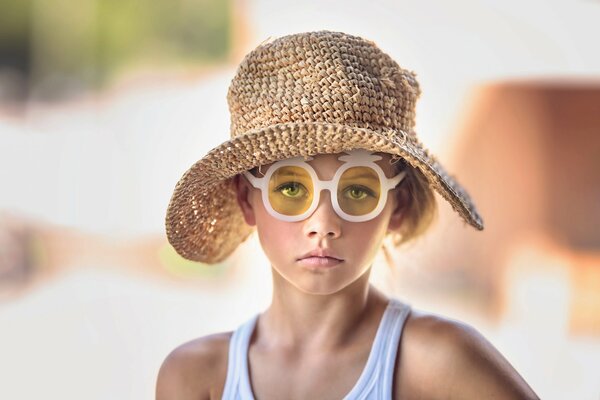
pixel 368 236
pixel 274 235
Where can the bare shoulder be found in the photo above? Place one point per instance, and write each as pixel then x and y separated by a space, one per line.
pixel 195 369
pixel 445 358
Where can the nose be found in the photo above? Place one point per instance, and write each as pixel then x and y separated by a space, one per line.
pixel 323 222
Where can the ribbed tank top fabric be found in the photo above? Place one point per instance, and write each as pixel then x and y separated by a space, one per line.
pixel 375 381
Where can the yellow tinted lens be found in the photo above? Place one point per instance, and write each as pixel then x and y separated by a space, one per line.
pixel 290 190
pixel 359 190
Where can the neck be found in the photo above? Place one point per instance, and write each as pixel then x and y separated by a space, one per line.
pixel 300 320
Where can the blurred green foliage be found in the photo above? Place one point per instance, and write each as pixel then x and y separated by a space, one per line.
pixel 182 268
pixel 86 42
pixel 185 30
pixel 15 33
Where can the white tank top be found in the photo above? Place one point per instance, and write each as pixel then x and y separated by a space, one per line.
pixel 375 381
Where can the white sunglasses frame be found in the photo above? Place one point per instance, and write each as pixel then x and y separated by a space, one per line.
pixel 356 158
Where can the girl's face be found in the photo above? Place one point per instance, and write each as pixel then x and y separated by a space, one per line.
pixel 286 244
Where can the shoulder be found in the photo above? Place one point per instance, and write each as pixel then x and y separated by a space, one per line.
pixel 195 369
pixel 441 357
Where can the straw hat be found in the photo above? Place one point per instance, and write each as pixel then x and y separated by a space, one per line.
pixel 301 95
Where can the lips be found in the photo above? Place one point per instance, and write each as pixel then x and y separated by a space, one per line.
pixel 321 253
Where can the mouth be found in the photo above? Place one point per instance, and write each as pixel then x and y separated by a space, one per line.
pixel 323 262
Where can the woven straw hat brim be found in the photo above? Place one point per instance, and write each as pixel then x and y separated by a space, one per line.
pixel 204 222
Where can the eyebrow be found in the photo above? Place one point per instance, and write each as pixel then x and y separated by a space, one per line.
pixel 364 176
pixel 289 175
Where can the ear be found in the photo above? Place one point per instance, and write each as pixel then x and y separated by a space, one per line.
pixel 399 211
pixel 243 197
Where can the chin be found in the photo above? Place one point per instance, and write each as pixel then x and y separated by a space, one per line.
pixel 322 286
pixel 320 291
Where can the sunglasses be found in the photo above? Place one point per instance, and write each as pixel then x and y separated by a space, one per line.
pixel 291 189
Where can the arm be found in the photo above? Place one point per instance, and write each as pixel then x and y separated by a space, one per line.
pixel 174 380
pixel 444 359
pixel 475 369
pixel 195 370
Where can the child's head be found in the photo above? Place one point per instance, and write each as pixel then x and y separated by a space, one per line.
pixel 343 203
pixel 341 101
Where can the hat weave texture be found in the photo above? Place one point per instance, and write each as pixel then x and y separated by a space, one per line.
pixel 301 95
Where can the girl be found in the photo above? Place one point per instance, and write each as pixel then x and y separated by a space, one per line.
pixel 324 163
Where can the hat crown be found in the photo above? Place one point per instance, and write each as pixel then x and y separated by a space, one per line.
pixel 328 77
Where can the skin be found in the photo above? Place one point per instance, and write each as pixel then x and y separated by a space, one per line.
pixel 314 339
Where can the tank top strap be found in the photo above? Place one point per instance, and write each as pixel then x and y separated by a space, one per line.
pixel 398 313
pixel 236 382
pixel 376 379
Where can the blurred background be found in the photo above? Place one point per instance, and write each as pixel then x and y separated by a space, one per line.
pixel 104 104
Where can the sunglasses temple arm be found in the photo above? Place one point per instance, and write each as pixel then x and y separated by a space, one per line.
pixel 395 181
pixel 253 180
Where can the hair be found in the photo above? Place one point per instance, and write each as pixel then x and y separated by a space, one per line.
pixel 418 204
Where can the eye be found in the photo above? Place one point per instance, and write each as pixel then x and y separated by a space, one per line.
pixel 291 189
pixel 357 192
